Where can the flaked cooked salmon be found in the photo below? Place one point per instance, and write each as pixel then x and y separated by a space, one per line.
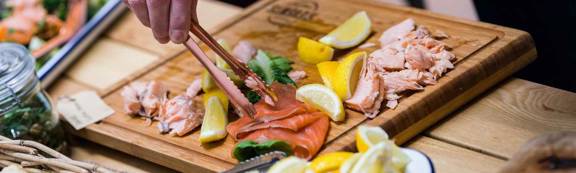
pixel 397 32
pixel 409 58
pixel 144 98
pixel 178 116
pixel 370 92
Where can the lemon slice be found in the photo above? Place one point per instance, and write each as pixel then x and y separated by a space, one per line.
pixel 347 74
pixel 327 70
pixel 289 165
pixel 351 33
pixel 322 98
pixel 313 52
pixel 347 166
pixel 367 137
pixel 215 118
pixel 329 162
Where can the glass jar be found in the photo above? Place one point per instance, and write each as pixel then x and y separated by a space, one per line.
pixel 25 109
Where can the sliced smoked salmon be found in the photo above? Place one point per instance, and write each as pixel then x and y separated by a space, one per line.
pixel 290 120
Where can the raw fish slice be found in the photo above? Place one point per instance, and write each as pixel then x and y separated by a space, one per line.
pixel 294 123
pixel 305 143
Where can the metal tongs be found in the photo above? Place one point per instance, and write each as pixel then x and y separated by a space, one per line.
pixel 236 97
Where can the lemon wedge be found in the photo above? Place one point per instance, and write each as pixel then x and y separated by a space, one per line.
pixel 313 52
pixel 289 165
pixel 367 137
pixel 329 162
pixel 327 70
pixel 347 74
pixel 322 98
pixel 207 82
pixel 349 163
pixel 215 117
pixel 351 33
pixel 374 160
pixel 221 95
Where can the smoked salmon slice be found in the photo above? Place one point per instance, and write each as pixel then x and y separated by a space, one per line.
pixel 289 120
pixel 305 143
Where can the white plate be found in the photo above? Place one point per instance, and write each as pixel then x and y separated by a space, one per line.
pixel 419 162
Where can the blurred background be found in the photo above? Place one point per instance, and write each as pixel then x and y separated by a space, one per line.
pixel 549 22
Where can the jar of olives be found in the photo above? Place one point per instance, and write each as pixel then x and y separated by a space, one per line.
pixel 25 109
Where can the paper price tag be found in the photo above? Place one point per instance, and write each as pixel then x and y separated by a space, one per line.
pixel 83 109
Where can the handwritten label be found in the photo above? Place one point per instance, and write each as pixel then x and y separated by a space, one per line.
pixel 83 109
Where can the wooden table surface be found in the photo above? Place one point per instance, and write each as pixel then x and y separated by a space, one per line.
pixel 480 137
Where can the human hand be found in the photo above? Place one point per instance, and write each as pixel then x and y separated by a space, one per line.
pixel 169 20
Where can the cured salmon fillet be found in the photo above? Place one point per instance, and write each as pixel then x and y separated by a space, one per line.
pixel 305 143
pixel 289 120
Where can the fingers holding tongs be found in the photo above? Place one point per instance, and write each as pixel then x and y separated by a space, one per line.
pixel 221 79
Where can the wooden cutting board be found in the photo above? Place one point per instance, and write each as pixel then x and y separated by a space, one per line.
pixel 486 54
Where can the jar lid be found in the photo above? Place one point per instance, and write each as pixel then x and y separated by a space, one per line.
pixel 17 74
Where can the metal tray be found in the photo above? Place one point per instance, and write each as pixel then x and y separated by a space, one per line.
pixel 77 44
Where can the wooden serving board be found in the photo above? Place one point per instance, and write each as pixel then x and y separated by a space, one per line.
pixel 486 54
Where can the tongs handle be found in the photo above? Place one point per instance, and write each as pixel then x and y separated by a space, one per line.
pixel 235 95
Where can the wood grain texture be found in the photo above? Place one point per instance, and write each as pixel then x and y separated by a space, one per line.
pixel 448 158
pixel 101 68
pixel 507 117
pixel 87 151
pixel 482 49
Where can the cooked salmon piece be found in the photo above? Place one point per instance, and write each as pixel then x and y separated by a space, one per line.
pixel 244 51
pixel 131 96
pixel 178 115
pixel 442 62
pixel 369 92
pixel 396 82
pixel 388 59
pixel 418 57
pixel 297 75
pixel 397 31
pixel 153 97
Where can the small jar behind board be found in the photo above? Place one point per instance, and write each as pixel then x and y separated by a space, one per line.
pixel 25 109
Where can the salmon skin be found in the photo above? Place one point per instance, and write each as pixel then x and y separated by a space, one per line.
pixel 289 120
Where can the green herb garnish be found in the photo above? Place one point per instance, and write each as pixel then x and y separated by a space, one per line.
pixel 250 149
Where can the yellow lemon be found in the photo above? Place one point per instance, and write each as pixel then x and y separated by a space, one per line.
pixel 351 33
pixel 313 52
pixel 207 82
pixel 289 165
pixel 347 166
pixel 373 160
pixel 322 98
pixel 367 137
pixel 327 70
pixel 215 117
pixel 329 162
pixel 347 74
